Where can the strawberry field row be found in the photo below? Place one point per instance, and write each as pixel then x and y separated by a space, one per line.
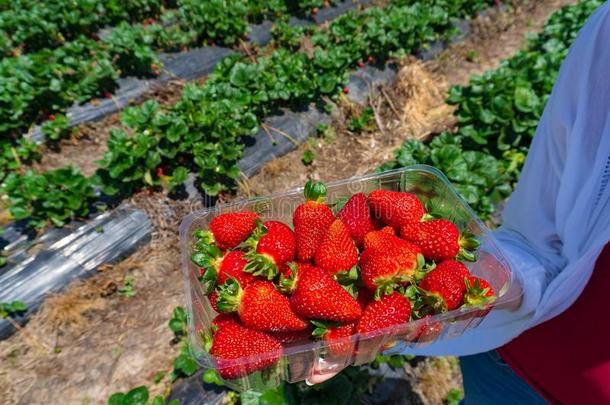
pixel 204 132
pixel 28 25
pixel 497 114
pixel 38 87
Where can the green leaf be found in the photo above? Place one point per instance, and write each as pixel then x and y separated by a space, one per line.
pixel 211 376
pixel 525 99
pixel 308 157
pixel 176 325
pixel 185 364
pixel 136 396
pixel 118 398
pixel 18 306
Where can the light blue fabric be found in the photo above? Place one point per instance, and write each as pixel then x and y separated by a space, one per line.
pixel 488 380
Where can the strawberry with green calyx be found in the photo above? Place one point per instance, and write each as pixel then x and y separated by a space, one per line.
pixel 337 252
pixel 405 253
pixel 318 296
pixel 311 220
pixel 208 258
pixel 234 342
pixel 349 280
pixel 289 279
pixel 233 265
pixel 390 310
pixel 330 332
pixel 382 274
pixel 259 306
pixel 444 286
pixel 221 266
pixel 222 320
pixel 440 239
pixel 231 229
pixel 205 252
pixel 272 246
pixel 287 338
pixel 396 208
pixel 478 291
pixel 356 215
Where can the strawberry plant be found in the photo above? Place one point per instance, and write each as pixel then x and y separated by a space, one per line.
pixel 13 156
pixel 12 308
pixel 131 48
pixel 57 128
pixel 288 36
pixel 362 121
pixel 308 157
pixel 57 196
pixel 499 110
pixel 28 26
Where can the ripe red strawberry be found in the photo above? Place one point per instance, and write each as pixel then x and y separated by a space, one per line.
pixel 235 342
pixel 381 273
pixel 331 333
pixel 319 296
pixel 387 243
pixel 478 291
pixel 388 229
pixel 396 208
pixel 356 215
pixel 229 230
pixel 289 279
pixel 218 266
pixel 387 261
pixel 221 320
pixel 213 297
pixel 232 265
pixel 440 239
pixel 390 310
pixel 259 306
pixel 273 246
pixel 444 285
pixel 311 221
pixel 286 338
pixel 346 90
pixel 337 251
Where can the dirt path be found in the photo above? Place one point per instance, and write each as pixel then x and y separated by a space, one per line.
pixel 92 341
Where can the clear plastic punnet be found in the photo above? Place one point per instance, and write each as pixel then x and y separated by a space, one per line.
pixel 302 361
